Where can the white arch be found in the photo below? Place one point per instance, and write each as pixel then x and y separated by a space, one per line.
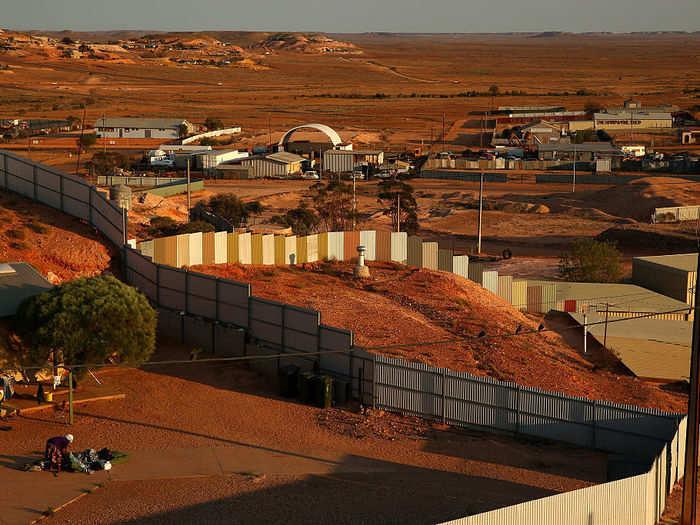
pixel 330 132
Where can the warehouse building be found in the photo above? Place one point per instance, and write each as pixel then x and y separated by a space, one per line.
pixel 142 128
pixel 586 152
pixel 281 164
pixel 211 159
pixel 345 161
pixel 633 116
pixel 671 275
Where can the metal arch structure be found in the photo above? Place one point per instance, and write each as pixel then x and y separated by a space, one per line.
pixel 330 133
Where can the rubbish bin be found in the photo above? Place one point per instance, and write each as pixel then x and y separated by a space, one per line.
pixel 288 380
pixel 322 387
pixel 304 387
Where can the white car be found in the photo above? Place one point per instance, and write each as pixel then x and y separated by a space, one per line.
pixel 310 175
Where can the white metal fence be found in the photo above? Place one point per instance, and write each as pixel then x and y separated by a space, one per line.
pixel 223 316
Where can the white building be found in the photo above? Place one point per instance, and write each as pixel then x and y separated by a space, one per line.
pixel 141 128
pixel 212 159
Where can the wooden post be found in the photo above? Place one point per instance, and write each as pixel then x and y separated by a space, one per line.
pixel 481 208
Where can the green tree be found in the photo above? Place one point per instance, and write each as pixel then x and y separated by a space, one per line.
pixel 398 201
pixel 591 261
pixel 105 162
pixel 67 41
pixel 195 227
pixel 303 220
pixel 228 206
pixel 254 208
pixel 333 204
pixel 87 321
pixel 208 141
pixel 86 141
pixel 213 123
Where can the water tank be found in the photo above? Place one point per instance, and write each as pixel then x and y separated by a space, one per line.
pixel 121 193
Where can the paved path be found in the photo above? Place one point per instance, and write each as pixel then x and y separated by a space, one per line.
pixel 25 495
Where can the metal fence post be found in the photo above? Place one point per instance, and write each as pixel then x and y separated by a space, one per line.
pixel 158 285
pixel 187 291
pixel 90 205
pixel 34 181
pixel 595 424
pixel 517 409
pixel 444 380
pixel 374 381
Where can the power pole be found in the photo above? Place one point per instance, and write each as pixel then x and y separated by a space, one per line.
pixel 481 208
pixel 585 332
pixel 189 194
pixel 605 335
pixel 690 482
pixel 354 201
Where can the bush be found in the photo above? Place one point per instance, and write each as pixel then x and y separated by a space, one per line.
pixel 589 260
pixel 105 162
pixel 194 227
pixel 37 227
pixel 208 141
pixel 87 141
pixel 213 123
pixel 16 234
pixel 162 227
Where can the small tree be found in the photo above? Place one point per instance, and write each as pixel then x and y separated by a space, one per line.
pixel 213 123
pixel 105 162
pixel 592 106
pixel 67 41
pixel 195 227
pixel 254 208
pixel 86 141
pixel 302 220
pixel 333 204
pixel 591 261
pixel 228 206
pixel 399 203
pixel 87 321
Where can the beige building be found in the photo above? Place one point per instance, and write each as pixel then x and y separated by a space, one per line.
pixel 281 164
pixel 342 161
pixel 671 275
pixel 633 116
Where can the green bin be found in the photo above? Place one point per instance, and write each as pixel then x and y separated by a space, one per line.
pixel 322 388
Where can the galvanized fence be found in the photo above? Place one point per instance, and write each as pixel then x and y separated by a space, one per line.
pixel 224 317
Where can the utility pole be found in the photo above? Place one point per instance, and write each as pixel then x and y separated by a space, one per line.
pixel 481 209
pixel 354 201
pixel 605 335
pixel 690 481
pixel 573 187
pixel 80 143
pixel 189 194
pixel 585 332
pixel 398 212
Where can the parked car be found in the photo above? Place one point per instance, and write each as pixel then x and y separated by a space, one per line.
pixel 310 175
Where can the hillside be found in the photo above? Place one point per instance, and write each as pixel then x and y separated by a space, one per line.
pixel 402 305
pixel 60 247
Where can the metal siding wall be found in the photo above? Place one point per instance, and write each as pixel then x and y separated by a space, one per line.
pixel 220 248
pixel 195 248
pixel 519 296
pixel 368 239
pixel 183 250
pixel 430 255
pixel 268 249
pixel 490 281
pixel 245 248
pixel 233 302
pixel 172 288
pixel 279 250
pixel 351 242
pixel 290 249
pixel 336 242
pixel 445 260
pixel 159 250
pixel 147 248
pixel 256 248
pixel 414 251
pixel 383 246
pixel 549 297
pixel 322 246
pixel 505 287
pixel 232 248
pixel 476 272
pixel 208 248
pixel 312 243
pixel 202 295
pixel 460 265
pixel 334 339
pixel 534 299
pixel 302 251
pixel 399 247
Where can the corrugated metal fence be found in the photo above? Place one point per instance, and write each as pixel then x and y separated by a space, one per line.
pixel 224 317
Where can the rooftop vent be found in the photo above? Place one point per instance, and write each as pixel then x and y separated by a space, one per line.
pixel 6 269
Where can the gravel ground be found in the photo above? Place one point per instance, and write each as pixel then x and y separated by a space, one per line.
pixel 195 406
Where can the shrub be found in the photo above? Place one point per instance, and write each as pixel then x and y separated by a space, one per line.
pixel 589 260
pixel 16 234
pixel 194 227
pixel 37 227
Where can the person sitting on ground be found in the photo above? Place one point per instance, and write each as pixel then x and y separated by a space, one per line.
pixel 56 447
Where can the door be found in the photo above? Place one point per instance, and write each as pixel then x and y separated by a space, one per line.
pixel 148 133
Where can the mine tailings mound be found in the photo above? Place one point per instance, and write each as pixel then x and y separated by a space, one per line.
pixel 638 199
pixel 403 305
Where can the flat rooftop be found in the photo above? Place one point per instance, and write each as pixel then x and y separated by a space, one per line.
pixel 687 262
pixel 650 348
pixel 19 281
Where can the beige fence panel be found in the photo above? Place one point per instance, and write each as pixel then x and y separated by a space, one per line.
pixel 519 295
pixel 383 246
pixel 399 247
pixel 256 247
pixel 232 248
pixel 476 272
pixel 146 248
pixel 312 248
pixel 302 250
pixel 460 265
pixel 336 246
pixel 220 248
pixel 489 280
pixel 290 249
pixel 445 260
pixel 430 255
pixel 208 248
pixel 368 239
pixel 505 287
pixel 245 248
pixel 268 249
pixel 196 248
pixel 322 246
pixel 351 241
pixel 414 251
pixel 279 250
pixel 549 297
pixel 183 250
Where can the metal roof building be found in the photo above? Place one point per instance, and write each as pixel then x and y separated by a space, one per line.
pixel 19 281
pixel 139 128
pixel 671 275
pixel 280 164
pixel 587 151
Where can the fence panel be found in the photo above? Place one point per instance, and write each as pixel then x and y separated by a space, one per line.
pixel 476 272
pixel 256 248
pixel 460 265
pixel 505 287
pixel 208 248
pixel 201 295
pixel 245 248
pixel 489 281
pixel 336 246
pixel 534 299
pixel 146 248
pixel 290 249
pixel 335 340
pixel 368 239
pixel 519 296
pixel 233 302
pixel 172 288
pixel 266 320
pixel 322 246
pixel 280 246
pixel 445 260
pixel 229 341
pixel 106 217
pixel 399 241
pixel 232 248
pixel 312 248
pixel 183 250
pixel 430 255
pixel 220 248
pixel 351 242
pixel 49 188
pixel 414 251
pixel 196 248
pixel 141 273
pixel 268 249
pixel 383 245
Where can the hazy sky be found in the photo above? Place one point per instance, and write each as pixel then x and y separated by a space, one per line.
pixel 354 16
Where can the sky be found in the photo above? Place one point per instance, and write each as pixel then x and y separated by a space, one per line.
pixel 354 16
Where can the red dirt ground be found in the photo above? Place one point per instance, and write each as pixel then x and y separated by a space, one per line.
pixel 52 242
pixel 402 305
